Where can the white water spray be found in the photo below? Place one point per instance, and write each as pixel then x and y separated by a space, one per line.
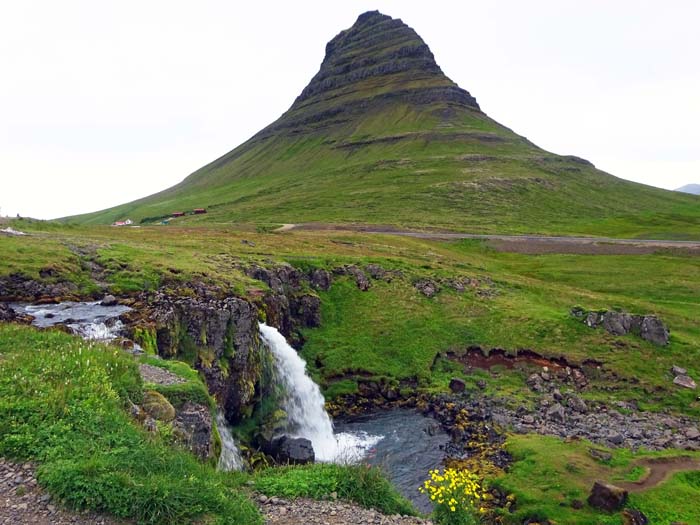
pixel 230 457
pixel 305 407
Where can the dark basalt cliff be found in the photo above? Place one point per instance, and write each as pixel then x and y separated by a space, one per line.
pixel 375 47
pixel 378 60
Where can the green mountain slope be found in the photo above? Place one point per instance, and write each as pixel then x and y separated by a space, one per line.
pixel 381 135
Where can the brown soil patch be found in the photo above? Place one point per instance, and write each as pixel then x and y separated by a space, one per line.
pixel 476 358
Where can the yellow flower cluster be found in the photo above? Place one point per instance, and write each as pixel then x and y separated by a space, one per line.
pixel 454 489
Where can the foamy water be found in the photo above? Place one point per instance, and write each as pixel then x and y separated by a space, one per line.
pixel 305 407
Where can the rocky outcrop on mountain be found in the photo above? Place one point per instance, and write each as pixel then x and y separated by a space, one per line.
pixel 376 51
pixel 648 327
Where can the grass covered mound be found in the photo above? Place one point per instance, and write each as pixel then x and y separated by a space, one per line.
pixel 61 404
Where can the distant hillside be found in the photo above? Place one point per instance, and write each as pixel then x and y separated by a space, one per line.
pixel 382 135
pixel 693 189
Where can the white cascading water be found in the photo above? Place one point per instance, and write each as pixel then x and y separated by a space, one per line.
pixel 230 457
pixel 305 407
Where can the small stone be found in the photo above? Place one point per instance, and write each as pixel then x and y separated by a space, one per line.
pixel 634 517
pixel 616 439
pixel 692 433
pixel 600 455
pixel 109 300
pixel 678 371
pixel 457 385
pixel 556 413
pixel 685 382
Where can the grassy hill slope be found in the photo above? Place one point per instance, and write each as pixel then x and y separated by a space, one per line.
pixel 382 136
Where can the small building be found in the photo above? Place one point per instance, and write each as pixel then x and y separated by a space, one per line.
pixel 199 211
pixel 122 223
pixel 177 214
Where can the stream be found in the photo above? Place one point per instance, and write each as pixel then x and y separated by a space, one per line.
pixel 410 445
pixel 90 320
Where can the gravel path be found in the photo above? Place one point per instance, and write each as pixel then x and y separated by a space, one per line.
pixel 22 501
pixel 521 243
pixel 159 376
pixel 306 511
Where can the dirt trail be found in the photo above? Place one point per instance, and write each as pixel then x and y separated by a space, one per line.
pixel 521 243
pixel 660 469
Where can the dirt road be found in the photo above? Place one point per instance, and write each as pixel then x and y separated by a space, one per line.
pixel 533 244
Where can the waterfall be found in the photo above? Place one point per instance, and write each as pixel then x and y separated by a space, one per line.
pixel 305 406
pixel 230 458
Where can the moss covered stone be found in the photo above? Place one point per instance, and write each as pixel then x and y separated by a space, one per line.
pixel 157 406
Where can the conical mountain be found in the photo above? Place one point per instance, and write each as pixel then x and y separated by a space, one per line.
pixel 381 135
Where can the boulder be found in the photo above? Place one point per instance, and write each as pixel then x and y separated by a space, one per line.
pixel 535 382
pixel 617 323
pixel 685 382
pixel 577 404
pixel 157 406
pixel 556 413
pixel 377 272
pixel 306 309
pixel 579 378
pixel 285 449
pixel 361 279
pixel 427 287
pixel 108 300
pixel 607 497
pixel 593 319
pixel 616 438
pixel 457 385
pixel 320 279
pixel 193 428
pixel 648 327
pixel 634 517
pixel 7 314
pixel 654 331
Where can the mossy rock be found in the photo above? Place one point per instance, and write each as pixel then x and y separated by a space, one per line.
pixel 157 406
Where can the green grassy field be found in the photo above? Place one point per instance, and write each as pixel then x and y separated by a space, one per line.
pixel 394 332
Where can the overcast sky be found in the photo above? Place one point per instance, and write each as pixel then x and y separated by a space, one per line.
pixel 104 102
